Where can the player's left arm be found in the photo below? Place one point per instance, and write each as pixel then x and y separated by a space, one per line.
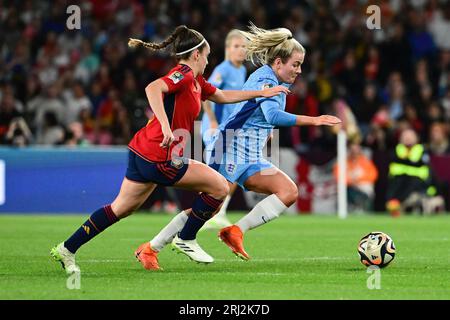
pixel 233 96
pixel 277 117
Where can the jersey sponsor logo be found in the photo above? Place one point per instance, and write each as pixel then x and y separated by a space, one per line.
pixel 176 77
pixel 267 86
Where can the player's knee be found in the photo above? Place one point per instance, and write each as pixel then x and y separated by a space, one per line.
pixel 122 211
pixel 289 195
pixel 221 189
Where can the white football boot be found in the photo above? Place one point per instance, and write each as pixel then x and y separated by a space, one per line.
pixel 219 221
pixel 192 249
pixel 67 258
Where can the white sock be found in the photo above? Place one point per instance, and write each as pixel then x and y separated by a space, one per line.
pixel 266 210
pixel 166 235
pixel 223 210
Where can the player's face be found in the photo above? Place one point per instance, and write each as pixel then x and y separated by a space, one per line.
pixel 203 58
pixel 237 49
pixel 289 71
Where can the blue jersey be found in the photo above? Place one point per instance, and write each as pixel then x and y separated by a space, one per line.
pixel 225 76
pixel 256 118
pixel 236 149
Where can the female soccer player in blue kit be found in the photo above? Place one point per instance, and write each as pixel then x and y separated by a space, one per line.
pixel 239 157
pixel 228 75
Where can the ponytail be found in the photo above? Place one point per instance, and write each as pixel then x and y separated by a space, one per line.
pixel 133 43
pixel 264 46
pixel 183 40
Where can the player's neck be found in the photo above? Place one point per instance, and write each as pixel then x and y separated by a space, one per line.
pixel 190 65
pixel 237 64
pixel 276 74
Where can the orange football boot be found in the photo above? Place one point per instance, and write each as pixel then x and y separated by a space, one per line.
pixel 394 207
pixel 147 257
pixel 232 237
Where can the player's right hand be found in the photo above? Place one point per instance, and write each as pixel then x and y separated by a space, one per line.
pixel 168 137
pixel 214 125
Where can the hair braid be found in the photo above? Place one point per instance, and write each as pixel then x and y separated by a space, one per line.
pixel 132 43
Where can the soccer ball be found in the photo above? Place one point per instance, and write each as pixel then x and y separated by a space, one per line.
pixel 376 249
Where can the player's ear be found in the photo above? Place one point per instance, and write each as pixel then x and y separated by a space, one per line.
pixel 277 62
pixel 196 54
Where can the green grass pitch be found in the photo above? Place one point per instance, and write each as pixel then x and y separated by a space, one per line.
pixel 301 257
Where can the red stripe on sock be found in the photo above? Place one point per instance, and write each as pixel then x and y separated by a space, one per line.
pixel 192 212
pixel 210 200
pixel 110 214
pixel 93 224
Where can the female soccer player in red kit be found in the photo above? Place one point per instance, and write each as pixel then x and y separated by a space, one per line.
pixel 155 156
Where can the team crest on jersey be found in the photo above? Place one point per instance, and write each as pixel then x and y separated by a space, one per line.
pixel 231 168
pixel 218 78
pixel 177 163
pixel 267 86
pixel 176 77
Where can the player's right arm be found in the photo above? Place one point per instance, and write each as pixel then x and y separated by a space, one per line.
pixel 154 92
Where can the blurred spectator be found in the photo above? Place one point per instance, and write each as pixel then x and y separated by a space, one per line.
pixel 74 135
pixel 52 132
pixel 18 135
pixel 48 102
pixel 410 176
pixel 75 101
pixel 9 110
pixel 439 142
pixel 366 109
pixel 88 64
pixel 360 178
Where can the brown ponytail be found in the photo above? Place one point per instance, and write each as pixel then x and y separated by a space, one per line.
pixel 182 38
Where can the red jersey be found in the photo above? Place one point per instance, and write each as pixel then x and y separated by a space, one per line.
pixel 182 106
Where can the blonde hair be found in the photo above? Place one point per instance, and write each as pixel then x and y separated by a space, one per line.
pixel 235 33
pixel 265 46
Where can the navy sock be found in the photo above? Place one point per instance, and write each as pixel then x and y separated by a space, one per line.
pixel 97 222
pixel 203 209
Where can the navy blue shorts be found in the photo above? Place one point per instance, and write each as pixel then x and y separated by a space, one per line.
pixel 165 173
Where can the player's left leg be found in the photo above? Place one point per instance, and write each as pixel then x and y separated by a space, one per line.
pixel 282 193
pixel 131 196
pixel 220 219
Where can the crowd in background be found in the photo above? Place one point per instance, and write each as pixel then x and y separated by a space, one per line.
pixel 86 87
pixel 77 87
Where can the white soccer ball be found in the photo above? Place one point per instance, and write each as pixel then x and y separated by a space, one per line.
pixel 376 249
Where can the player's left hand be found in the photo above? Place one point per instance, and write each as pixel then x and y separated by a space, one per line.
pixel 274 91
pixel 327 120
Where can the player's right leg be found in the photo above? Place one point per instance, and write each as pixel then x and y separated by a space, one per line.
pixel 282 193
pixel 134 191
pixel 213 190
